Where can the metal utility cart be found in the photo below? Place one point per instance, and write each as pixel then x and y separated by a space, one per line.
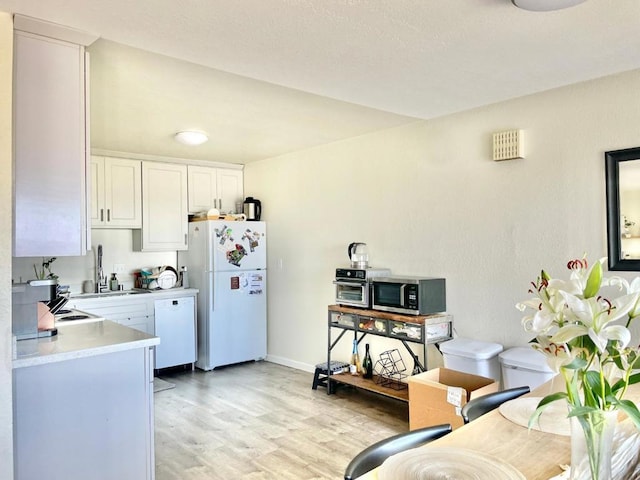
pixel 417 329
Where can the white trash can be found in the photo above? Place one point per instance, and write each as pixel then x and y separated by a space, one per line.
pixel 524 366
pixel 472 356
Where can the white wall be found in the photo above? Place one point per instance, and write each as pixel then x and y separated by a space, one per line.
pixel 428 200
pixel 6 412
pixel 116 249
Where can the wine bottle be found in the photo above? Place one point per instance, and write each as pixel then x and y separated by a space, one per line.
pixel 355 367
pixel 367 364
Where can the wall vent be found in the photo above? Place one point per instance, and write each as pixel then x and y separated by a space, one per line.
pixel 507 145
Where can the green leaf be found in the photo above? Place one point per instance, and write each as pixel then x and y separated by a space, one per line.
pixel 630 408
pixel 581 411
pixel 544 403
pixel 594 382
pixel 613 355
pixel 633 379
pixel 620 384
pixel 595 391
pixel 577 363
pixel 594 281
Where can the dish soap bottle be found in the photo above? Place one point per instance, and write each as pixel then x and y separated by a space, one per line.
pixel 367 364
pixel 113 283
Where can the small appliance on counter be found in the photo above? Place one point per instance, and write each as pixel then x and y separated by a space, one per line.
pixel 252 208
pixel 32 308
pixel 353 285
pixel 409 295
pixel 358 254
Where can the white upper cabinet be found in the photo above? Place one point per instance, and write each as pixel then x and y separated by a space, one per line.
pixel 203 191
pixel 50 143
pixel 211 187
pixel 164 208
pixel 230 190
pixel 116 192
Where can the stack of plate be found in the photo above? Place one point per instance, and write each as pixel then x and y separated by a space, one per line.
pixel 160 277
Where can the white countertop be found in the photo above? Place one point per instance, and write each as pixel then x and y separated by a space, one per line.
pixel 80 340
pixel 138 293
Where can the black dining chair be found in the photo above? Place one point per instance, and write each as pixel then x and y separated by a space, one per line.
pixel 375 454
pixel 484 404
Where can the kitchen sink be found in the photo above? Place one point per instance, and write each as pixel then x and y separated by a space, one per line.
pixel 116 293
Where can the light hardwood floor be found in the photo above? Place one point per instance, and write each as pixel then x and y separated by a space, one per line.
pixel 263 421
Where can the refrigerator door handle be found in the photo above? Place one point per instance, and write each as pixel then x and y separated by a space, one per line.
pixel 210 289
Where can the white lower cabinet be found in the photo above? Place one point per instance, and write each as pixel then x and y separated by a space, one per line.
pixel 135 311
pixel 85 418
pixel 167 314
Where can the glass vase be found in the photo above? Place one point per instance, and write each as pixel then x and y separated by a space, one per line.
pixel 592 445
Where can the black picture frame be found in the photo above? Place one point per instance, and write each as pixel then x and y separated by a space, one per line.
pixel 612 161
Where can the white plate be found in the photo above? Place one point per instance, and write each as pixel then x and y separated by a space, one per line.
pixel 166 279
pixel 554 419
pixel 438 463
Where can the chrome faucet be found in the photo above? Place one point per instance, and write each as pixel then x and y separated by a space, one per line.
pixel 101 279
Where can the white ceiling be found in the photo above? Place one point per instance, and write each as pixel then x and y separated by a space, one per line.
pixel 355 65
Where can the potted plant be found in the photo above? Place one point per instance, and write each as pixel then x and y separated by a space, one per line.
pixel 585 337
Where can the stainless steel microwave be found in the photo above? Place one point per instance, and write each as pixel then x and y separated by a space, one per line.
pixel 409 295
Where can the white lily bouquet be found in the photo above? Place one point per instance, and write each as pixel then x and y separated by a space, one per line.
pixel 585 337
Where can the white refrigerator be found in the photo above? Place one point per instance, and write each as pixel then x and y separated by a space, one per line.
pixel 227 262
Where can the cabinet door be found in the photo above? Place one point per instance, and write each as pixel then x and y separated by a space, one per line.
pixel 123 192
pixel 50 166
pixel 108 422
pixel 97 191
pixel 230 190
pixel 116 192
pixel 203 193
pixel 164 208
pixel 135 313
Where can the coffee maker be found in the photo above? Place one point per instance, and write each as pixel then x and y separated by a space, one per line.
pixel 24 312
pixel 252 208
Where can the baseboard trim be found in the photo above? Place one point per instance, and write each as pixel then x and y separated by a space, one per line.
pixel 291 363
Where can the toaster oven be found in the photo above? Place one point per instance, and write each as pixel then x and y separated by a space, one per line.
pixel 353 285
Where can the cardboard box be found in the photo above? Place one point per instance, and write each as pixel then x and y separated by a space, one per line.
pixel 438 395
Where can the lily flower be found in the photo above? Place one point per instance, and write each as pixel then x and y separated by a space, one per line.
pixel 580 332
pixel 593 318
pixel 557 355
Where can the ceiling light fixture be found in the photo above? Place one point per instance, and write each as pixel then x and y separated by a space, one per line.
pixel 545 5
pixel 191 137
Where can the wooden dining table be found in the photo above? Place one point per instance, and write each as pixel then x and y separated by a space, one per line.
pixel 537 455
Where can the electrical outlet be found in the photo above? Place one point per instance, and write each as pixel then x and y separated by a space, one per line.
pixel 118 268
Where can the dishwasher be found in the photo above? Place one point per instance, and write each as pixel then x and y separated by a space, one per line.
pixel 176 326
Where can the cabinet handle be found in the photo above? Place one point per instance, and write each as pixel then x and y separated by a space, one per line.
pixel 108 214
pixel 102 214
pixel 220 203
pixel 185 239
pixel 215 203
